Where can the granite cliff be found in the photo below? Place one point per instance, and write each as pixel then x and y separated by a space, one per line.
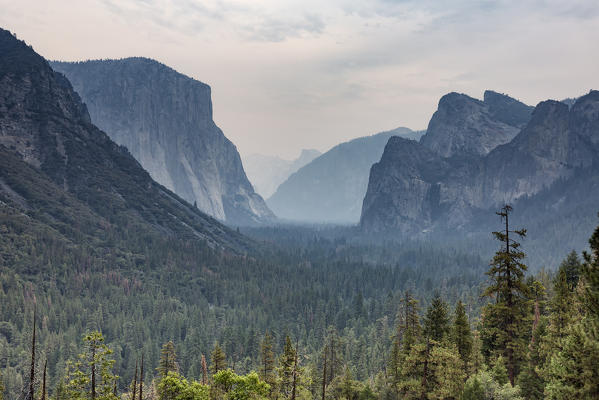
pixel 463 125
pixel 547 170
pixel 165 120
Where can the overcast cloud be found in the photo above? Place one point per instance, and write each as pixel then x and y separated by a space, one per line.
pixel 295 74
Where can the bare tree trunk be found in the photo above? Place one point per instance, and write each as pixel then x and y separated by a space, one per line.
pixel 294 373
pixel 134 383
pixel 141 378
pixel 93 370
pixel 324 373
pixel 44 381
pixel 31 391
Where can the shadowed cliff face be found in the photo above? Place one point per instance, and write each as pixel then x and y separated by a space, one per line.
pixel 415 187
pixel 57 166
pixel 165 120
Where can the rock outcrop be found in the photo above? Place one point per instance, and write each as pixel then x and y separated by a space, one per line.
pixel 415 188
pixel 466 126
pixel 165 120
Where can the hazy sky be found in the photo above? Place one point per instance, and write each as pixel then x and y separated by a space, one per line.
pixel 287 75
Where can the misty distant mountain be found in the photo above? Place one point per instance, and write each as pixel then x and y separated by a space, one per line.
pixel 267 172
pixel 331 187
pixel 65 180
pixel 548 171
pixel 165 120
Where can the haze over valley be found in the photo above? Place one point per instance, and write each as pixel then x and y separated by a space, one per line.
pixel 235 200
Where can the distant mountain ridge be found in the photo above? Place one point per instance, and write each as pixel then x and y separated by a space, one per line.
pixel 61 172
pixel 331 187
pixel 165 120
pixel 267 172
pixel 414 189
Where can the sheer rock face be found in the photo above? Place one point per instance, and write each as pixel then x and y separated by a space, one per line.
pixel 463 125
pixel 415 188
pixel 44 124
pixel 165 120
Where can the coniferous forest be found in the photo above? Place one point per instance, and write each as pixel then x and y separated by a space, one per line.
pixel 327 319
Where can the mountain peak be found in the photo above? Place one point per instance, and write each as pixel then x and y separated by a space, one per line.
pixel 463 125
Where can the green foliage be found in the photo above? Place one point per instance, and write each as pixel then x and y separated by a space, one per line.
pixel 482 386
pixel 505 318
pixel 237 387
pixel 175 387
pixel 218 359
pixel 90 376
pixel 473 390
pixel 461 335
pixel 168 360
pixel 436 320
pixel 286 369
pixel 267 360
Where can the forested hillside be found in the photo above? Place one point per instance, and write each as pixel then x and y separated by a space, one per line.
pixel 429 324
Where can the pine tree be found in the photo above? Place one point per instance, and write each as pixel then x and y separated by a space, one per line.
pixel 168 360
pixel 564 285
pixel 335 355
pixel 394 367
pixel 446 373
pixel 408 327
pixel 218 359
pixel 91 376
pixel 572 372
pixel 590 301
pixel 436 320
pixel 267 360
pixel 286 368
pixel 504 321
pixel 461 335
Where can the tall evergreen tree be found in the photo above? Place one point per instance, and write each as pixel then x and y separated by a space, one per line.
pixel 408 327
pixel 504 320
pixel 168 360
pixel 218 359
pixel 461 335
pixel 286 368
pixel 91 376
pixel 436 320
pixel 267 360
